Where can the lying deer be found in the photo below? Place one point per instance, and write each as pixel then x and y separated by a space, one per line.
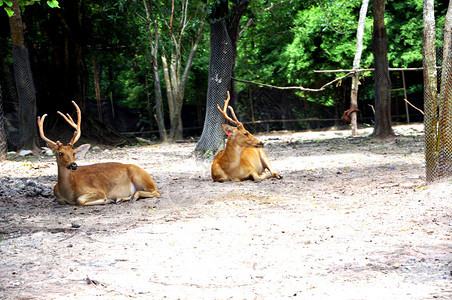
pixel 243 157
pixel 96 184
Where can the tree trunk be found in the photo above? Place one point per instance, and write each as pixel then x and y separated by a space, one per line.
pixel 223 53
pixel 172 80
pixel 220 73
pixel 153 61
pixel 158 97
pixel 179 87
pixel 382 127
pixel 97 89
pixel 24 81
pixel 233 29
pixel 430 91
pixel 445 101
pixel 356 63
pixel 3 141
pixel 169 89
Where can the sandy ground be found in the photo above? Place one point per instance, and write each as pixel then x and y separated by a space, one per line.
pixel 351 219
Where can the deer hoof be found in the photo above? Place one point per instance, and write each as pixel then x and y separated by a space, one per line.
pixel 133 199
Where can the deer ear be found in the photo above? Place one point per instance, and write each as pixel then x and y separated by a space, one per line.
pixel 81 150
pixel 227 129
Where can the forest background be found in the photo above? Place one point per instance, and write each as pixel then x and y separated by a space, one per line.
pixel 110 57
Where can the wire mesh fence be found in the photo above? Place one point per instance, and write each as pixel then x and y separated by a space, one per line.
pixel 18 129
pixel 27 98
pixel 438 123
pixel 220 72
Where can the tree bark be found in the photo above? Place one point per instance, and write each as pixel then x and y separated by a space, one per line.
pixel 356 63
pixel 24 81
pixel 445 102
pixel 382 127
pixel 169 89
pixel 3 141
pixel 430 91
pixel 97 89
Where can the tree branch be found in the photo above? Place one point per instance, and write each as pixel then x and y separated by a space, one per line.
pixel 295 87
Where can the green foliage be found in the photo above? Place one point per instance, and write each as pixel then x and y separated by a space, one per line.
pixel 304 36
pixel 7 7
pixel 281 45
pixel 23 3
pixel 312 37
pixel 53 3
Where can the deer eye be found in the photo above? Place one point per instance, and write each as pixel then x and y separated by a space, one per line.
pixel 60 153
pixel 246 133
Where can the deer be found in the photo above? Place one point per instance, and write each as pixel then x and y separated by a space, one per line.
pixel 96 184
pixel 243 158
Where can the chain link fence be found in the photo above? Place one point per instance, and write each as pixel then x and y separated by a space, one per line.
pixel 26 98
pixel 17 103
pixel 438 119
pixel 220 72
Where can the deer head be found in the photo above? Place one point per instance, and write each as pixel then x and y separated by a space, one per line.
pixel 65 155
pixel 237 135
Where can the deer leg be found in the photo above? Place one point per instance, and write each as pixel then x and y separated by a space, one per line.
pixel 257 177
pixel 119 200
pixel 143 186
pixel 144 194
pixel 266 164
pixel 93 199
pixel 218 175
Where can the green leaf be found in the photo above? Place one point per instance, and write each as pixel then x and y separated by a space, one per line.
pixel 53 4
pixel 8 2
pixel 9 11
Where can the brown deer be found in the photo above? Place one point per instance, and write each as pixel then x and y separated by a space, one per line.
pixel 243 157
pixel 96 184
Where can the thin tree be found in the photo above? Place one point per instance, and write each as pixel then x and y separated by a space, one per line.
pixel 445 100
pixel 356 62
pixel 154 37
pixel 175 78
pixel 382 126
pixel 3 141
pixel 437 107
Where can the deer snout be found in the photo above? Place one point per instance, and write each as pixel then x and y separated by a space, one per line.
pixel 260 145
pixel 72 166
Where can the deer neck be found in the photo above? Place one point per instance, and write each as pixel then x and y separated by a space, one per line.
pixel 65 178
pixel 232 153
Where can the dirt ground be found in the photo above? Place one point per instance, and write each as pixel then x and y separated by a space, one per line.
pixel 352 218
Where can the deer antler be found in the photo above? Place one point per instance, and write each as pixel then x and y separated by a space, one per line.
pixel 41 132
pixel 71 122
pixel 225 113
